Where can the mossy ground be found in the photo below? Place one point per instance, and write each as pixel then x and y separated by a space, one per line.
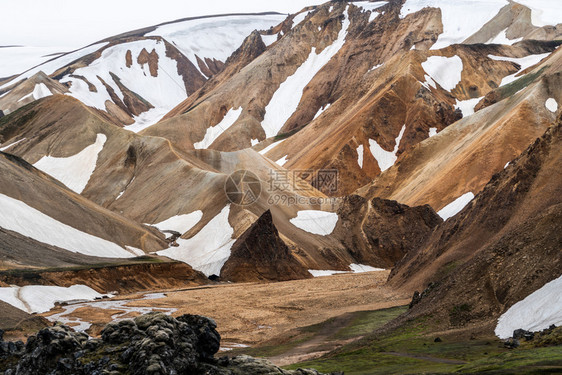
pixel 409 349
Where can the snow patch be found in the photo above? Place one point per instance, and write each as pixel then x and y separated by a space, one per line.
pixel 544 12
pixel 316 222
pixel 80 325
pixel 12 144
pixel 467 106
pixel 39 91
pixel 40 298
pixel 502 38
pixel 455 206
pixel 27 221
pixel 281 162
pixel 551 105
pixel 209 249
pixel 321 110
pixel 300 17
pixel 286 99
pixel 360 156
pixel 446 71
pixel 386 159
pixel 74 171
pixel 534 313
pixel 271 146
pixel 370 7
pixel 460 18
pixel 254 142
pixel 180 223
pixel 269 39
pixel 355 268
pixel 432 132
pixel 524 62
pixel 214 132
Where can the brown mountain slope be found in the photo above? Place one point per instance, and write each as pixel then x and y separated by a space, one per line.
pixel 463 157
pixel 148 180
pixel 503 246
pixel 21 181
pixel 373 90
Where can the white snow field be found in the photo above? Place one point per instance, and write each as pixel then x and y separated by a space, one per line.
pixel 213 37
pixel 209 249
pixel 536 312
pixel 164 91
pixel 180 223
pixel 524 62
pixel 460 18
pixel 446 71
pixel 360 150
pixel 432 132
pixel 18 59
pixel 544 12
pixel 355 268
pixel 551 105
pixel 455 206
pixel 41 298
pixel 286 99
pixel 467 106
pixel 316 222
pixel 27 221
pixel 51 66
pixel 214 132
pixel 386 159
pixel 74 171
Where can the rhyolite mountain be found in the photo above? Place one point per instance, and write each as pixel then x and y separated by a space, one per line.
pixel 365 128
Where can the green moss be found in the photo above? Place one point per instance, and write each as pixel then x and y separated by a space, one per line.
pixel 510 89
pixel 366 322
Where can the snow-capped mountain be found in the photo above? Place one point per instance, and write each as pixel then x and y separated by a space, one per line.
pixel 351 135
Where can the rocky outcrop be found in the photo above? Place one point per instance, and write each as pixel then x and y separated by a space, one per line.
pixel 147 274
pixel 380 231
pixel 150 344
pixel 260 254
pixel 502 247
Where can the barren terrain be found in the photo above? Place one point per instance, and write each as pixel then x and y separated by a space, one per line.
pixel 252 313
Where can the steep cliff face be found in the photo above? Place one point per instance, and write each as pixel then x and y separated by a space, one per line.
pixel 380 231
pixel 502 247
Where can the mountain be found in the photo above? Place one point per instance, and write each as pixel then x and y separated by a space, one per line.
pixel 348 137
pixel 499 249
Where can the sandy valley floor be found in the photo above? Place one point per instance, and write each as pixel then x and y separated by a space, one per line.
pixel 254 313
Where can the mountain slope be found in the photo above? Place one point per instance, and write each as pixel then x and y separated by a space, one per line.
pixel 502 247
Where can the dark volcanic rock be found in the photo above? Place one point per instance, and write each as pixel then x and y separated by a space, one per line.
pixel 260 254
pixel 380 232
pixel 150 344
